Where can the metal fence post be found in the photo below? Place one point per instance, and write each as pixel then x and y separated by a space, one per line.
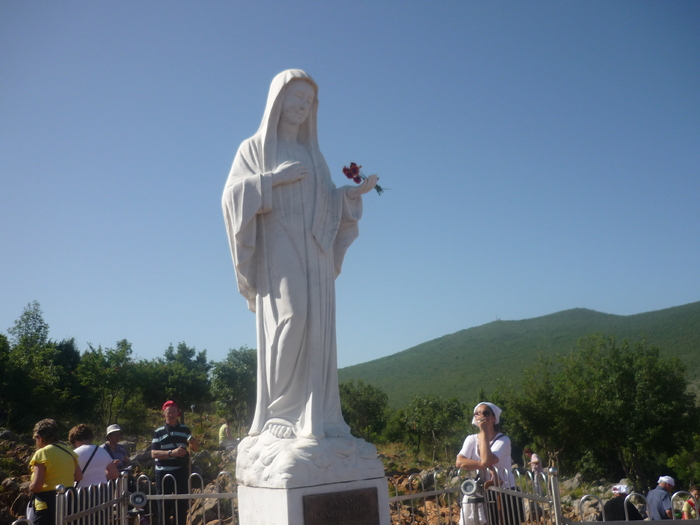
pixel 123 491
pixel 60 504
pixel 556 496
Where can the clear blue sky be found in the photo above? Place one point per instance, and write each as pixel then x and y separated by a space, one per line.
pixel 541 156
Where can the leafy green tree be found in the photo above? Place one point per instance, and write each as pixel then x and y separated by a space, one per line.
pixel 181 375
pixel 233 385
pixel 69 395
pixel 395 428
pixel 364 407
pixel 5 405
pixel 30 329
pixel 539 411
pixel 686 463
pixel 112 382
pixel 434 419
pixel 610 408
pixel 31 382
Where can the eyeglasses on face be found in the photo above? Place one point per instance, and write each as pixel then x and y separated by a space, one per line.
pixel 485 413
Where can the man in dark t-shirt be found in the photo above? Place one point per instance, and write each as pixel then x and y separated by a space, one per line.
pixel 169 449
pixel 615 507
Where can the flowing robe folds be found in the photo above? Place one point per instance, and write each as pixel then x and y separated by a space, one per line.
pixel 288 244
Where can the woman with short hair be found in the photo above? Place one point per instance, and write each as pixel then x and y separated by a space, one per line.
pixel 95 462
pixel 52 464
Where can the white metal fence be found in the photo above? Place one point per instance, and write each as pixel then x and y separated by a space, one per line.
pixel 111 503
pixel 434 499
pixel 438 499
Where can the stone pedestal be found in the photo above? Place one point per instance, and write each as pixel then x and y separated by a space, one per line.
pixel 268 506
pixel 276 475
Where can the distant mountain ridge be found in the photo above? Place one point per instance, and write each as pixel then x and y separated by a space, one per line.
pixel 460 364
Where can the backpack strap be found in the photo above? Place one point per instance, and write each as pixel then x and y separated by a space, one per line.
pixel 499 435
pixel 63 449
pixel 87 464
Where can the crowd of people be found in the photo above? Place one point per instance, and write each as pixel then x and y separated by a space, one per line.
pixel 489 453
pixel 87 464
pixel 659 500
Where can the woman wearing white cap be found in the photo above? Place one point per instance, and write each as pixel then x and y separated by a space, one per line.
pixel 118 452
pixel 615 507
pixel 489 449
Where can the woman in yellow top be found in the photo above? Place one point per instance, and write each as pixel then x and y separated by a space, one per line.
pixel 52 464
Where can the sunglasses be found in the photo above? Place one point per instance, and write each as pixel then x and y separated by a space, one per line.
pixel 485 413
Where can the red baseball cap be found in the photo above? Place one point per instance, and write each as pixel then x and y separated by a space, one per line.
pixel 171 403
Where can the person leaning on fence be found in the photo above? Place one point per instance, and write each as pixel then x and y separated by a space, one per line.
pixel 486 450
pixel 52 464
pixel 659 499
pixel 95 463
pixel 689 509
pixel 169 449
pixel 615 507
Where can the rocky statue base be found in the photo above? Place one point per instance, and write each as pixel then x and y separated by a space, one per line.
pixel 278 477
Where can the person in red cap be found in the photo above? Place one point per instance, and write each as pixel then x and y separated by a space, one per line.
pixel 169 449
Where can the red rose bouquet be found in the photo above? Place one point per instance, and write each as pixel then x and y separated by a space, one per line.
pixel 354 173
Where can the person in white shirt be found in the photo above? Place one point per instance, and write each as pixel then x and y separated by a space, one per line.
pixel 485 452
pixel 95 463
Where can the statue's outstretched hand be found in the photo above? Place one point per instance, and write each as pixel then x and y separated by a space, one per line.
pixel 288 172
pixel 367 185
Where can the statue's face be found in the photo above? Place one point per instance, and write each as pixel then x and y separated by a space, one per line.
pixel 297 103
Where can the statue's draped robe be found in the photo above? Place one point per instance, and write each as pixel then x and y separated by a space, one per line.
pixel 288 245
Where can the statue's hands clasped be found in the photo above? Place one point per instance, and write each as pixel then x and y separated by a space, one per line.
pixel 367 185
pixel 288 172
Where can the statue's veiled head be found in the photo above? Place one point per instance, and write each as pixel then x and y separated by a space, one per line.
pixel 297 103
pixel 285 82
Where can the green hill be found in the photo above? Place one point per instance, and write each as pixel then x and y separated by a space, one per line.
pixel 460 364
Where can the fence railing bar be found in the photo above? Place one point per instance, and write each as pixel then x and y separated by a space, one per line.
pixel 205 495
pixel 423 495
pixel 92 510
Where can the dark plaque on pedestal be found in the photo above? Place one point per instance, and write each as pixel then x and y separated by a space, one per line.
pixel 350 507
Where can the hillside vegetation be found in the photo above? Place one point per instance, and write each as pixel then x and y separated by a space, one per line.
pixel 461 364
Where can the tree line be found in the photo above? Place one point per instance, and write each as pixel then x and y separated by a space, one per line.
pixel 42 378
pixel 608 409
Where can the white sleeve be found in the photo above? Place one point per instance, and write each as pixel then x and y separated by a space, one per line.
pixel 469 448
pixel 501 447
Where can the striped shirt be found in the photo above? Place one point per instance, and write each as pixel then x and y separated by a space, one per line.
pixel 169 438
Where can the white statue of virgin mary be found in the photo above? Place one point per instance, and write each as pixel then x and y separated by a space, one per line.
pixel 289 228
